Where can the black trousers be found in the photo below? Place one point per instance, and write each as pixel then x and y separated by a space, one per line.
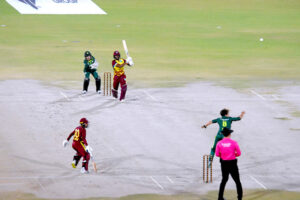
pixel 230 167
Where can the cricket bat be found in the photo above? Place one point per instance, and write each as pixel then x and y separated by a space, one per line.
pixel 127 53
pixel 125 48
pixel 94 166
pixel 93 162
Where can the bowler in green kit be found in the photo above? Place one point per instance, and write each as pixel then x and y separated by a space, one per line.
pixel 224 121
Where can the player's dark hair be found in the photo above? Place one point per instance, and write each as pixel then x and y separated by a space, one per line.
pixel 226 131
pixel 224 112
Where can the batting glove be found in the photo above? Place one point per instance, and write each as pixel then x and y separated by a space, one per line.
pixel 131 63
pixel 65 143
pixel 88 149
pixel 128 60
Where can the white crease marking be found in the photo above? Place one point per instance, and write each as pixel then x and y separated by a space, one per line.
pixel 260 96
pixel 171 181
pixel 64 95
pixel 259 183
pixel 148 94
pixel 275 97
pixel 157 183
pixel 41 185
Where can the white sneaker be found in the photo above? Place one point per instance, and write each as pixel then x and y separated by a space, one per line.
pixel 83 171
pixel 99 91
pixel 83 92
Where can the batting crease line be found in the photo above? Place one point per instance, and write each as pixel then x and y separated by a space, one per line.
pixel 147 93
pixel 260 96
pixel 275 97
pixel 171 181
pixel 259 183
pixel 41 185
pixel 64 95
pixel 157 183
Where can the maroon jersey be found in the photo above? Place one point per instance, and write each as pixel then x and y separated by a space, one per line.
pixel 118 71
pixel 79 135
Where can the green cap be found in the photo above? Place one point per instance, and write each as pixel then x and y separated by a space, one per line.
pixel 87 53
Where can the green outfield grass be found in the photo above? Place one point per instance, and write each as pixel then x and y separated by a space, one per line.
pixel 230 195
pixel 169 40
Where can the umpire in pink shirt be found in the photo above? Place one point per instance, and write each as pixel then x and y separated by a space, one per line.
pixel 228 149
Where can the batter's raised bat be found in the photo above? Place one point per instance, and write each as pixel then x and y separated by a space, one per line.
pixel 125 48
pixel 129 59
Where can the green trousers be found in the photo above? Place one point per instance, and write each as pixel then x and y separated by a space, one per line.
pixel 94 73
pixel 217 139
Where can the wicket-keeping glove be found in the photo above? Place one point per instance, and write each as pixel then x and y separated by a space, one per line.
pixel 94 65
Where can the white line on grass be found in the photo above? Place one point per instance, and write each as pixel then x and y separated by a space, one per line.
pixel 259 183
pixel 64 95
pixel 157 183
pixel 41 185
pixel 275 97
pixel 148 94
pixel 260 96
pixel 171 181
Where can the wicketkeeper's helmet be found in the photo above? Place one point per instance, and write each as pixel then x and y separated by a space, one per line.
pixel 84 121
pixel 87 53
pixel 116 53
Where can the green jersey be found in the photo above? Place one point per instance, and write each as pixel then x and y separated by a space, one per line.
pixel 225 122
pixel 90 65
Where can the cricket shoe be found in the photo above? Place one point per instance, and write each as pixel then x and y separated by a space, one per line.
pixel 83 171
pixel 73 164
pixel 99 91
pixel 83 92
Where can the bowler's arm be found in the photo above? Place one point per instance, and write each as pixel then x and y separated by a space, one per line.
pixel 207 124
pixel 239 117
pixel 210 122
pixel 242 114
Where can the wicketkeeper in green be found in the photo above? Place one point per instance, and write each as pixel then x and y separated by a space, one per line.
pixel 224 121
pixel 90 67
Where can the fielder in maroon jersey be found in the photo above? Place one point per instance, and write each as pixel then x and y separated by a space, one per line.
pixel 80 145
